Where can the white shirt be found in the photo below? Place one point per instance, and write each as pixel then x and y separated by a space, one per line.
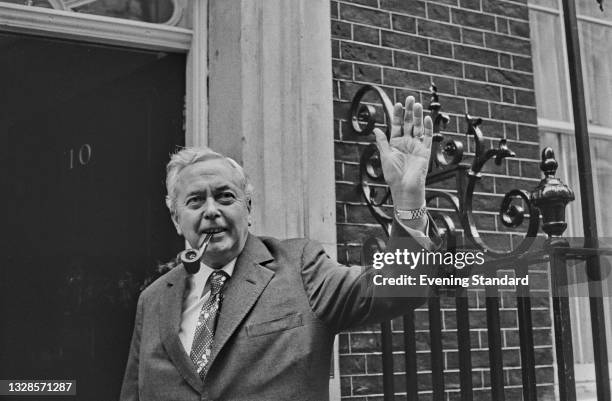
pixel 194 299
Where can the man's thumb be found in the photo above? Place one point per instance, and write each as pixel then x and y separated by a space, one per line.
pixel 381 141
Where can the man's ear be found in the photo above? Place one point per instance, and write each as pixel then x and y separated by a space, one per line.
pixel 249 217
pixel 177 226
pixel 173 216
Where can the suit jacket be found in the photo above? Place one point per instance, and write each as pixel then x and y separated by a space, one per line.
pixel 281 309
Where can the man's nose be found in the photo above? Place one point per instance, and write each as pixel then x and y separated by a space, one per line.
pixel 211 210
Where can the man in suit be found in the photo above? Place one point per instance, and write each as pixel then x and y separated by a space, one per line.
pixel 257 321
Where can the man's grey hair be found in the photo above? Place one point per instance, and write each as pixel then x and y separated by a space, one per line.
pixel 191 155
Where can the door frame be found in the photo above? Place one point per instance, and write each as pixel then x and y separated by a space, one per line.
pixel 97 29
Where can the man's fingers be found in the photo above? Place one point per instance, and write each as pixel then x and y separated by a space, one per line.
pixel 396 120
pixel 381 142
pixel 428 126
pixel 417 129
pixel 409 113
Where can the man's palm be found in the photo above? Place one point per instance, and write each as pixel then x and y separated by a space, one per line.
pixel 405 158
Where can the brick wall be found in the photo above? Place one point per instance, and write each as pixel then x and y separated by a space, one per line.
pixel 479 55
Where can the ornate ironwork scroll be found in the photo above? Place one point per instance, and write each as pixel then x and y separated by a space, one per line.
pixel 439 151
pixel 363 119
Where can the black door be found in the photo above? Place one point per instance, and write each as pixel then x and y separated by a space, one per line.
pixel 86 131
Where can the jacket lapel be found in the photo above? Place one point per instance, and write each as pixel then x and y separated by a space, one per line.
pixel 171 304
pixel 245 286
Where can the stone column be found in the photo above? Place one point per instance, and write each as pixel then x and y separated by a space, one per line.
pixel 270 108
pixel 196 94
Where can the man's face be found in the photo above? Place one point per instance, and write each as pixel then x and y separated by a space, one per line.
pixel 210 199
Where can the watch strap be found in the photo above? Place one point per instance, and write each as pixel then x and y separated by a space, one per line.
pixel 410 214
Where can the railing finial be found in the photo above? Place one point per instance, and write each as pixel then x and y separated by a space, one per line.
pixel 551 196
pixel 549 164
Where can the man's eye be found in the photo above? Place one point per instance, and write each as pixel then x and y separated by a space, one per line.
pixel 226 197
pixel 194 201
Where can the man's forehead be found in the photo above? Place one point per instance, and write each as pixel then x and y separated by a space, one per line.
pixel 218 171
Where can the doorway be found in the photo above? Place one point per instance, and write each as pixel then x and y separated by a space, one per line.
pixel 86 131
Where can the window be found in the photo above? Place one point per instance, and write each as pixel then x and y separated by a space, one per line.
pixel 555 122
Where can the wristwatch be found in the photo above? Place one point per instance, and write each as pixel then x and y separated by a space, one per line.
pixel 410 214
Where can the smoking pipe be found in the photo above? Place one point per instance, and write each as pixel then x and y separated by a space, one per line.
pixel 191 257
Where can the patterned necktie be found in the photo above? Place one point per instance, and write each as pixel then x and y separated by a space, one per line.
pixel 205 329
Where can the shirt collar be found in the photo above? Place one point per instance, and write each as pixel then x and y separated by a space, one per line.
pixel 198 281
pixel 228 268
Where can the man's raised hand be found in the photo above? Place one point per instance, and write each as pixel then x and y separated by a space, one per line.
pixel 405 158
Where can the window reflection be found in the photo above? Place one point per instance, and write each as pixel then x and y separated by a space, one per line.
pixel 596 46
pixel 153 11
pixel 35 3
pixel 549 67
pixel 545 3
pixel 157 11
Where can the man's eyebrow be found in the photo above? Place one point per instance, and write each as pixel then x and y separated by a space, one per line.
pixel 224 187
pixel 196 192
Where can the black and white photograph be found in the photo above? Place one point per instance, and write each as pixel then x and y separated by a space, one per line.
pixel 306 200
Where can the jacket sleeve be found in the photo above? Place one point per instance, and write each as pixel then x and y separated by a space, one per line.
pixel 345 297
pixel 129 388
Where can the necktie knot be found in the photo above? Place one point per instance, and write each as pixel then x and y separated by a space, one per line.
pixel 217 279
